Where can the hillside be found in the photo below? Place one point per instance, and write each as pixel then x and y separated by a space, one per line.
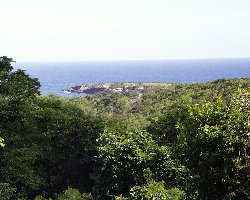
pixel 149 141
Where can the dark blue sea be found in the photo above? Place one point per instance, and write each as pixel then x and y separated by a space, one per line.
pixel 55 77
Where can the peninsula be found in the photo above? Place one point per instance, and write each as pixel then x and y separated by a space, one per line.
pixel 115 87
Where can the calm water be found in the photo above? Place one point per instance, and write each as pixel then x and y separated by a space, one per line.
pixel 56 77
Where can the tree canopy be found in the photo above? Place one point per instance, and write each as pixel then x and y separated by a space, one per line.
pixel 168 141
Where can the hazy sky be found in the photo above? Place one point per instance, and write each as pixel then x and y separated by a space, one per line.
pixel 78 30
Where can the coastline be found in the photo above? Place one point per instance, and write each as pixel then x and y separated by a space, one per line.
pixel 115 87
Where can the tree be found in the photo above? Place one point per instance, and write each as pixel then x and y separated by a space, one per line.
pixel 6 191
pixel 123 156
pixel 18 92
pixel 50 143
pixel 68 141
pixel 212 140
pixel 154 190
pixel 17 95
pixel 74 194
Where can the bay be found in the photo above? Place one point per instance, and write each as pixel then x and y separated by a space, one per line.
pixel 55 77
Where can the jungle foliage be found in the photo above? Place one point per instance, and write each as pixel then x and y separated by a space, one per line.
pixel 167 141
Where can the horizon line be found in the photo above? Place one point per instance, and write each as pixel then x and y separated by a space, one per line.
pixel 133 60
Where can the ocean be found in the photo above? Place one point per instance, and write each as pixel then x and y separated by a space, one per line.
pixel 55 77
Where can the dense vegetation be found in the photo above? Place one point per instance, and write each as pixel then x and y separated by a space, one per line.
pixel 168 141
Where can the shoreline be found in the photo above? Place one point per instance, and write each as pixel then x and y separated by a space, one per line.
pixel 116 87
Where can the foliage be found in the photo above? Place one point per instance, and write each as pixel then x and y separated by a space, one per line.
pixel 58 151
pixel 6 191
pixel 74 194
pixel 39 197
pixel 154 190
pixel 2 142
pixel 212 140
pixel 16 89
pixel 167 141
pixel 17 94
pixel 50 144
pixel 123 156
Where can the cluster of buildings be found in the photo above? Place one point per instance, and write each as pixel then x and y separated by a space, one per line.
pixel 91 89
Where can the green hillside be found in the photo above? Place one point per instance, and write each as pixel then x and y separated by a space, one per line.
pixel 152 141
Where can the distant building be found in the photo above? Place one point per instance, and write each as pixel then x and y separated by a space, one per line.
pixel 117 90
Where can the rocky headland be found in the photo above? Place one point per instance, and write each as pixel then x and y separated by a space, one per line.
pixel 114 87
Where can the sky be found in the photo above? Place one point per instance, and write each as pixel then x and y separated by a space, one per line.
pixel 96 30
